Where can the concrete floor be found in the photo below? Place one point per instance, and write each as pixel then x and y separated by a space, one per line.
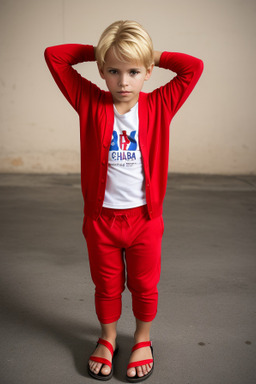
pixel 205 331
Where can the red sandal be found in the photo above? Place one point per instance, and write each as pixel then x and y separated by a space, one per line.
pixel 100 376
pixel 136 378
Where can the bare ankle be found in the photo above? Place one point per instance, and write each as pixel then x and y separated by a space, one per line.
pixel 108 332
pixel 140 337
pixel 111 337
pixel 142 332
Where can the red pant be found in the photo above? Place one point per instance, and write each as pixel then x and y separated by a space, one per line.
pixel 122 238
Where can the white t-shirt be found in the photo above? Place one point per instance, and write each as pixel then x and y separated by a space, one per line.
pixel 125 177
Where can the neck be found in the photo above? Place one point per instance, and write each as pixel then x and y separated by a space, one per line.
pixel 123 108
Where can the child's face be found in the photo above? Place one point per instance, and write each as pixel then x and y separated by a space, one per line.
pixel 124 80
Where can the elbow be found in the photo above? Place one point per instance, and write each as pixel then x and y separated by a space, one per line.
pixel 200 66
pixel 49 52
pixel 46 53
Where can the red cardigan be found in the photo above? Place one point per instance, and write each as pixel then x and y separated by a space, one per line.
pixel 95 109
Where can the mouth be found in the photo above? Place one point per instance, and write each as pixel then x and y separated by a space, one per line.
pixel 124 93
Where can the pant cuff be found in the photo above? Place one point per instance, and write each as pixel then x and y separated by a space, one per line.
pixel 145 318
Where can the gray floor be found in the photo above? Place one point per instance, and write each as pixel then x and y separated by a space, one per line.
pixel 205 331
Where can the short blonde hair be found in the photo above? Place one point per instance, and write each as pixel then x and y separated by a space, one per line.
pixel 130 42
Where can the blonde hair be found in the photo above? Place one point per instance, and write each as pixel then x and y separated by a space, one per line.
pixel 129 41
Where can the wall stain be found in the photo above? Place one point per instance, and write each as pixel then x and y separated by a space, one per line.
pixel 17 162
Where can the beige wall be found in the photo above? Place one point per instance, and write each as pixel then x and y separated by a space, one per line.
pixel 214 132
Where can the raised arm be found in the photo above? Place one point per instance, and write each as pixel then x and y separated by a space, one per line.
pixel 157 56
pixel 60 60
pixel 188 69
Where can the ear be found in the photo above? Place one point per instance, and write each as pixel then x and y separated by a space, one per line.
pixel 149 72
pixel 101 72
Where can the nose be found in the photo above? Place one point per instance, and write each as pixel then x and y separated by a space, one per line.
pixel 123 80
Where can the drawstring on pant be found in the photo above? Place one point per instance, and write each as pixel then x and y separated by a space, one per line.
pixel 123 214
pixel 119 217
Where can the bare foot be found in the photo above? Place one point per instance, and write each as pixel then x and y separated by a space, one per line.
pixel 103 352
pixel 138 355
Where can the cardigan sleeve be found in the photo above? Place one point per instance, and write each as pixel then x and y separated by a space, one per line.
pixel 188 70
pixel 60 60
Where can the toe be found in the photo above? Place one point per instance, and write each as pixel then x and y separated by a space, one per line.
pixel 140 372
pixel 148 366
pixel 144 369
pixel 105 370
pixel 97 367
pixel 94 367
pixel 131 372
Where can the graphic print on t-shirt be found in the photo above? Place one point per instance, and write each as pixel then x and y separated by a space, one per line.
pixel 123 149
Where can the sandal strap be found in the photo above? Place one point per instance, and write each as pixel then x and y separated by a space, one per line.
pixel 101 360
pixel 107 344
pixel 143 344
pixel 139 363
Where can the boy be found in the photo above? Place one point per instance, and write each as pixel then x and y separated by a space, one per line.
pixel 124 166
